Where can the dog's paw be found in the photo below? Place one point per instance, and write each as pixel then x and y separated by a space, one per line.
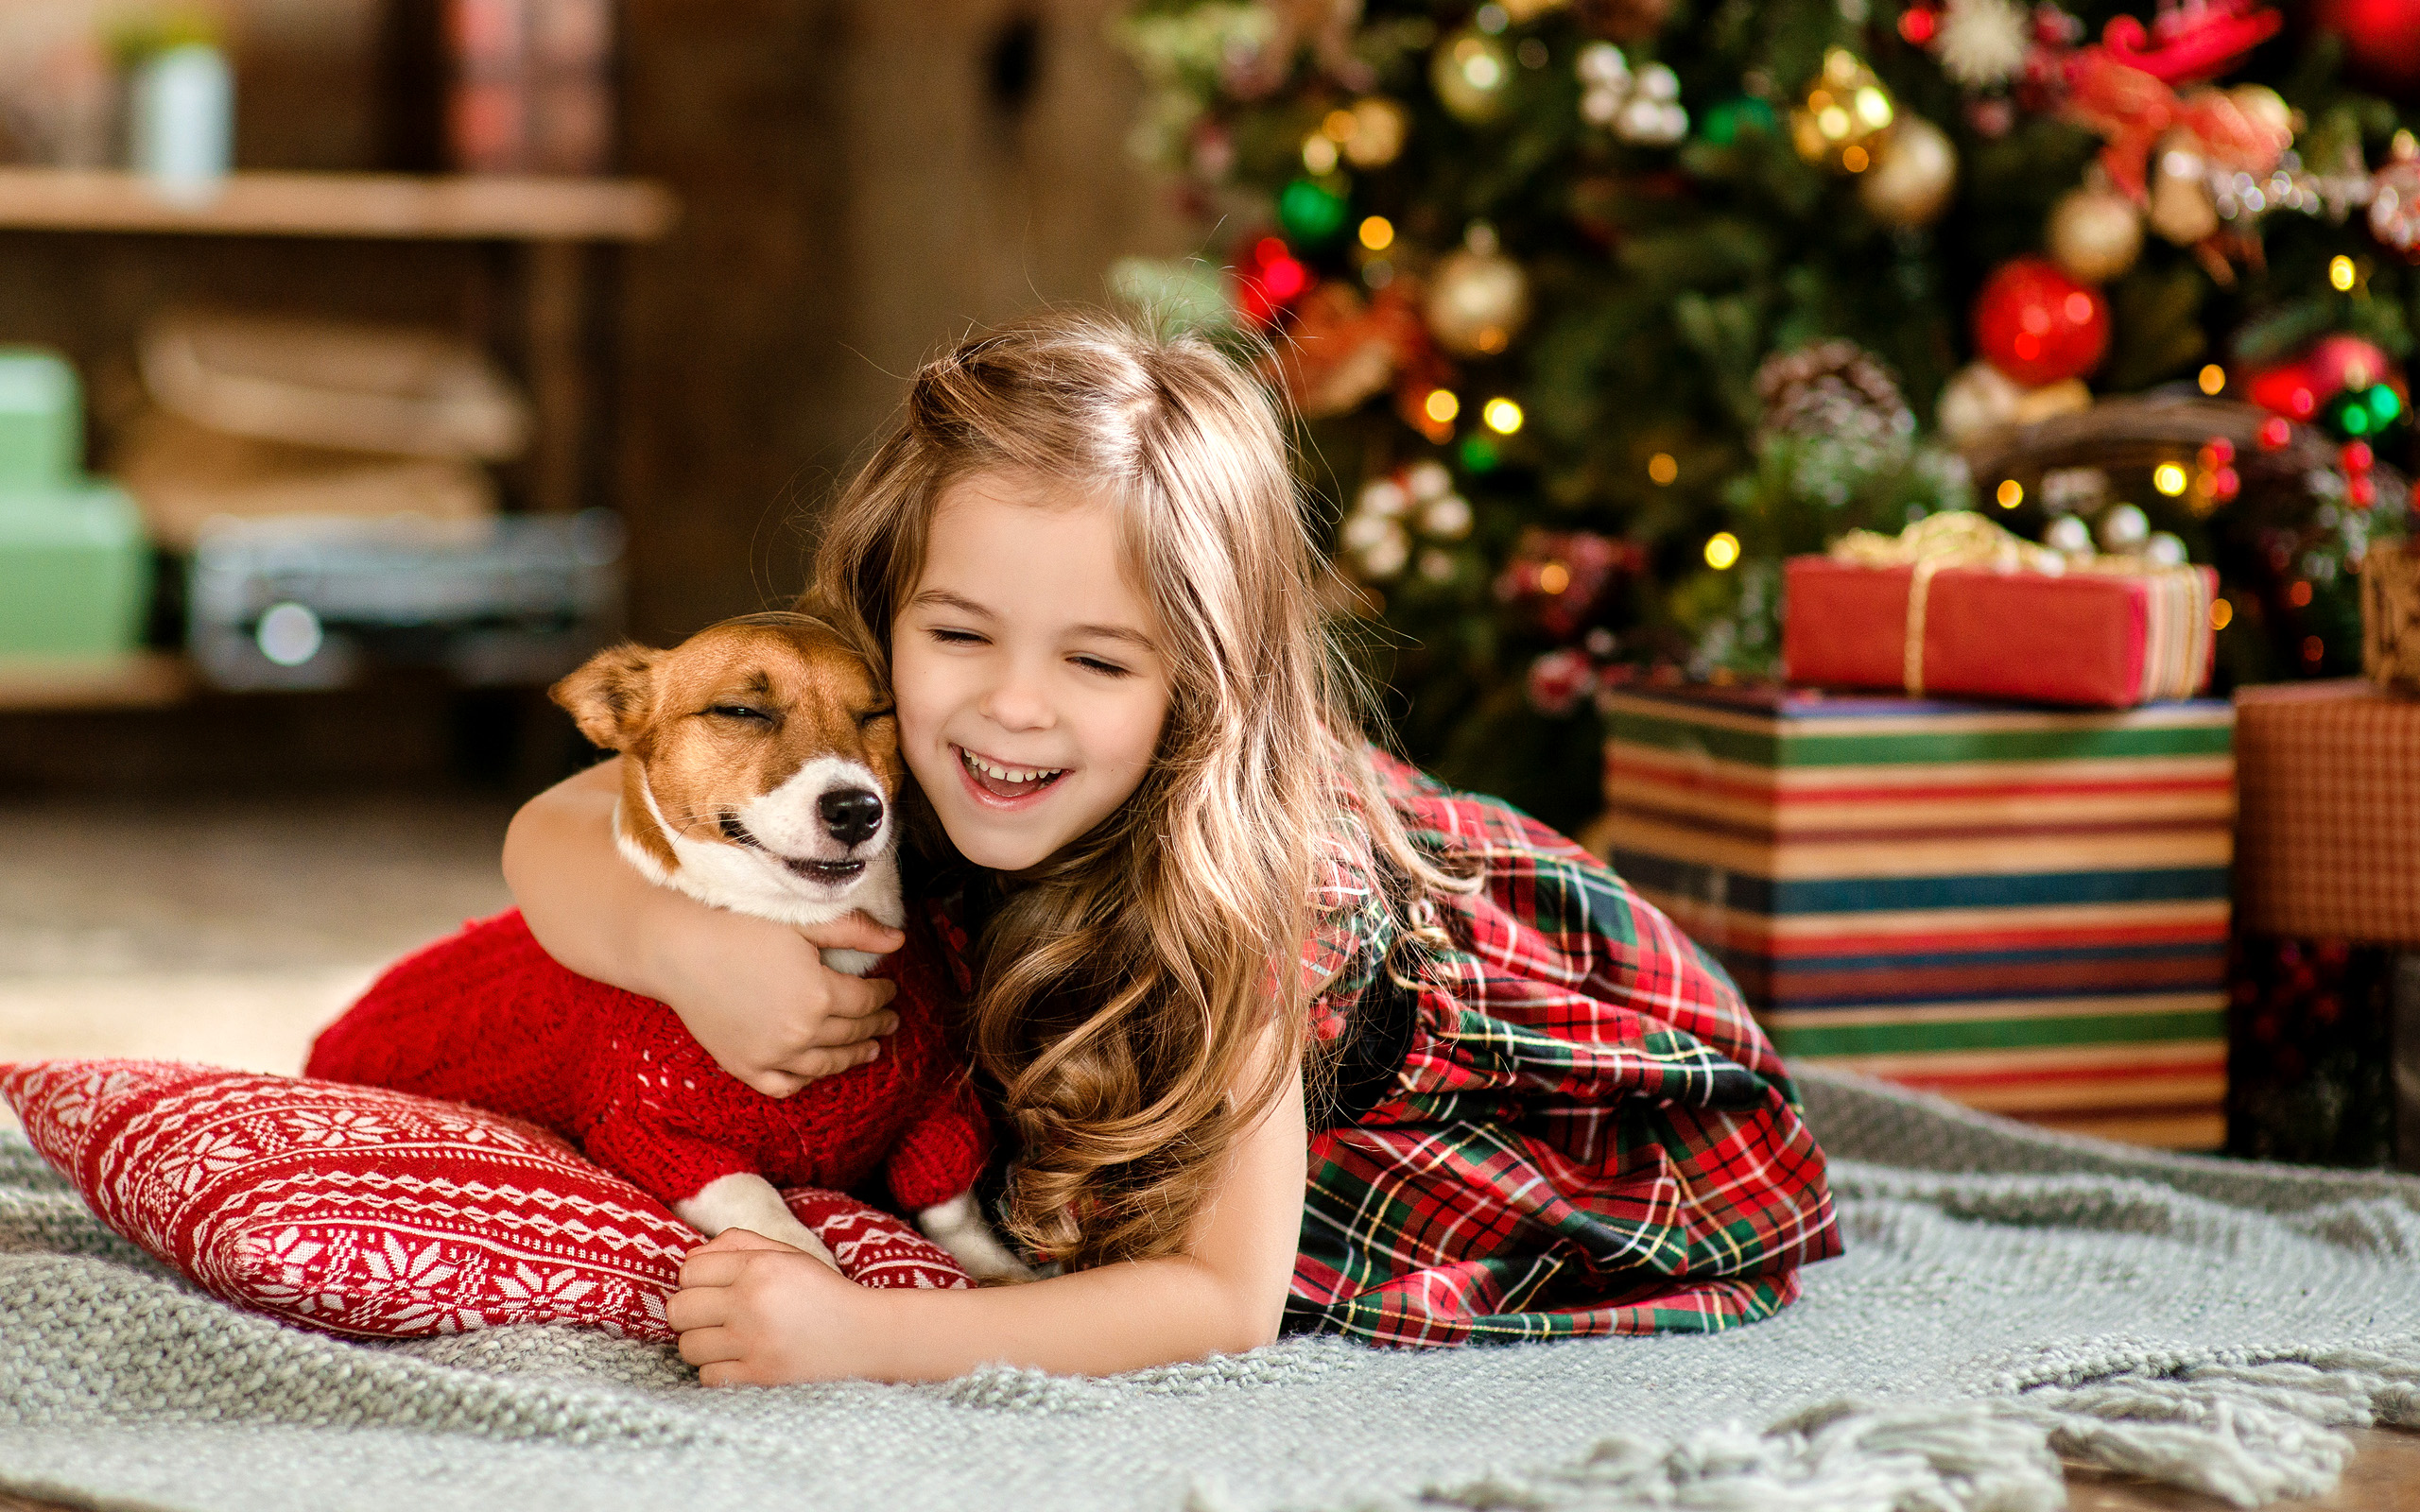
pixel 958 1226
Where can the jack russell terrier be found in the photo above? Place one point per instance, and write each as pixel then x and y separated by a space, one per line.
pixel 760 772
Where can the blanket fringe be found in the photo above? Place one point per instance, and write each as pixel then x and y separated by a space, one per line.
pixel 2245 1432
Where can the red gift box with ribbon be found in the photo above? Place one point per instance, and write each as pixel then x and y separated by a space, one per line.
pixel 1956 606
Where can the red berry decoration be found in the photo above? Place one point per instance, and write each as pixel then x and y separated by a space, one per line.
pixel 2039 326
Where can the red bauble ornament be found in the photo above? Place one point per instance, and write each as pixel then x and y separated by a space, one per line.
pixel 1268 278
pixel 2287 389
pixel 2039 326
pixel 2381 42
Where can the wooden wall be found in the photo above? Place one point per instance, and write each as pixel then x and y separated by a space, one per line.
pixel 861 181
pixel 864 180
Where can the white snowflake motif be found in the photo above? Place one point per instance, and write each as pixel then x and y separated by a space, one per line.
pixel 486 1132
pixel 184 1168
pixel 74 1106
pixel 421 1299
pixel 294 1291
pixel 467 1131
pixel 334 1129
pixel 547 1297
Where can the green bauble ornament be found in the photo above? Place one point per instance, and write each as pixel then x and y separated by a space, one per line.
pixel 1311 211
pixel 1734 118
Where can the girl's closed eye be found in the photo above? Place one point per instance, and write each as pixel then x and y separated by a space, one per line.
pixel 1095 663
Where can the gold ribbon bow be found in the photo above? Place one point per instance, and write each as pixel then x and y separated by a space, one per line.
pixel 1962 538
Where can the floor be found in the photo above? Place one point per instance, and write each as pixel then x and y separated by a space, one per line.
pixel 229 933
pixel 225 933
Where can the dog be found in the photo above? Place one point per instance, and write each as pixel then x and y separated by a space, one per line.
pixel 760 774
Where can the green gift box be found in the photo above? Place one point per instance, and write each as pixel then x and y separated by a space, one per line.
pixel 75 572
pixel 42 420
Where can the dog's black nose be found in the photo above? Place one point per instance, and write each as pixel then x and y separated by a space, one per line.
pixel 852 813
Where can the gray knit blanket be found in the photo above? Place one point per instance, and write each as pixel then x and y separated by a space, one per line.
pixel 2008 1298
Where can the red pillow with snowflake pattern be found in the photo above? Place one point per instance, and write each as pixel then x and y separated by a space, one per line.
pixel 355 1210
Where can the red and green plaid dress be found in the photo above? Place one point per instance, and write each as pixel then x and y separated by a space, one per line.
pixel 1585 1132
pixel 1563 1124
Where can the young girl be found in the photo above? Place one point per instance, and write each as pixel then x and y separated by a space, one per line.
pixel 1285 1036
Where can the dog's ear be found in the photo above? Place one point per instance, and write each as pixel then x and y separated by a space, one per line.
pixel 608 697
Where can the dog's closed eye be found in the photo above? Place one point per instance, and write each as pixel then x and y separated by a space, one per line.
pixel 870 716
pixel 741 711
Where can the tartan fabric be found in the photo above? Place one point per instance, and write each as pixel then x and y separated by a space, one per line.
pixel 1589 1135
pixel 2327 841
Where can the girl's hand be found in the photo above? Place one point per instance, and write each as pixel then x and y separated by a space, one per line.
pixel 756 994
pixel 753 1312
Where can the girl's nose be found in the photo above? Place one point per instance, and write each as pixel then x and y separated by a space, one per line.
pixel 1015 703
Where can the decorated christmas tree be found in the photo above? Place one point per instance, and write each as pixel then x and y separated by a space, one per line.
pixel 1597 310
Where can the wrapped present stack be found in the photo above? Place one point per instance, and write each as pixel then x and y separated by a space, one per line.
pixel 75 564
pixel 2023 909
pixel 2023 906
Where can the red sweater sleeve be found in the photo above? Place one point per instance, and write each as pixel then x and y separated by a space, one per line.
pixel 941 1153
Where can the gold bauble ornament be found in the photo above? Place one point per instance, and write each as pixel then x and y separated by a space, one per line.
pixel 2067 396
pixel 1978 398
pixel 2181 210
pixel 1477 299
pixel 1918 173
pixel 1846 113
pixel 2267 107
pixel 2096 233
pixel 1377 132
pixel 1472 72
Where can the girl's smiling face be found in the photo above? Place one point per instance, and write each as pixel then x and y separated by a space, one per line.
pixel 1030 683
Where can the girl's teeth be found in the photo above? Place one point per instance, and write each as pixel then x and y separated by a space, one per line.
pixel 1009 774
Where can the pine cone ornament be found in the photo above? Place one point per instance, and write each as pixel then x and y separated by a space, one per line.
pixel 1835 388
pixel 1625 20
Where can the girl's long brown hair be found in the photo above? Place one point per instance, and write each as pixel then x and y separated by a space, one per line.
pixel 1125 983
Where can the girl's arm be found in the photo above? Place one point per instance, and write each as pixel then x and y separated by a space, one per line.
pixel 753 1311
pixel 756 994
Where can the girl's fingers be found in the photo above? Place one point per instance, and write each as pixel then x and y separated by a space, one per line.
pixel 699 1308
pixel 855 997
pixel 835 1033
pixel 853 931
pixel 809 1065
pixel 708 1346
pixel 709 1266
pixel 772 1081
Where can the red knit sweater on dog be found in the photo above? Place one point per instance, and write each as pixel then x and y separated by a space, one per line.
pixel 489 1018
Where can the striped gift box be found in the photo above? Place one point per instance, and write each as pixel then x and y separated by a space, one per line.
pixel 2024 909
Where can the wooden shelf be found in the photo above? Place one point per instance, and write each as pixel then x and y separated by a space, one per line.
pixel 467 207
pixel 141 679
